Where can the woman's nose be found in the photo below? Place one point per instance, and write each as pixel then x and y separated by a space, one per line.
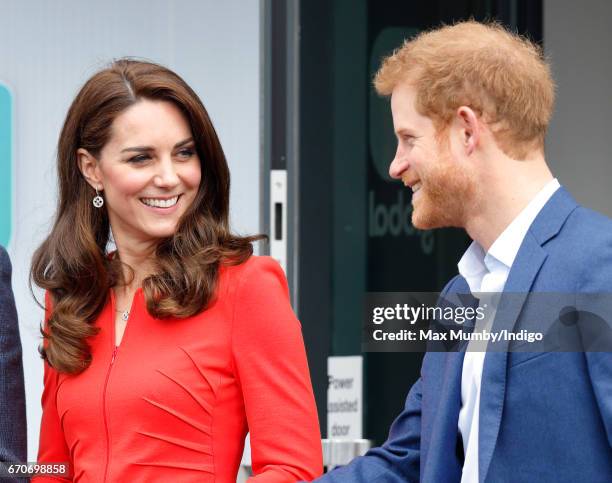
pixel 166 175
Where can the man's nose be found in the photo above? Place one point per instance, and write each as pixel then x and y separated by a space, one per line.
pixel 398 166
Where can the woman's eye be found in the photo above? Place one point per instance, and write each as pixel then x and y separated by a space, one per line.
pixel 139 158
pixel 186 153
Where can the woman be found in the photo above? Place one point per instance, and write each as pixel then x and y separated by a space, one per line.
pixel 161 355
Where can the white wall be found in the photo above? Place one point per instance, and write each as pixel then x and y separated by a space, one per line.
pixel 48 49
pixel 578 41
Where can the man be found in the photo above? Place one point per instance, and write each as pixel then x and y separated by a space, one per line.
pixel 471 104
pixel 12 396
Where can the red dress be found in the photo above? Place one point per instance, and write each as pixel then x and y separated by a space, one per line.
pixel 175 400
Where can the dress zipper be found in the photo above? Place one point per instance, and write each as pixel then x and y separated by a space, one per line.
pixel 114 356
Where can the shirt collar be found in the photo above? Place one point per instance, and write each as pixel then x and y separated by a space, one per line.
pixel 475 262
pixel 507 245
pixel 472 266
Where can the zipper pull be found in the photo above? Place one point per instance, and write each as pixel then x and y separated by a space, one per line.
pixel 114 354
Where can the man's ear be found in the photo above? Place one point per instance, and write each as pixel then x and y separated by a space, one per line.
pixel 471 129
pixel 90 169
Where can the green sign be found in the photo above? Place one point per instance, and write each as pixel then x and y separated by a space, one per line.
pixel 6 164
pixel 382 136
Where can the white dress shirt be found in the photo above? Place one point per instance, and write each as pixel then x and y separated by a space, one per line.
pixel 488 272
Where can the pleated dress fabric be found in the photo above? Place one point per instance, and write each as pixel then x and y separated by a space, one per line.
pixel 174 401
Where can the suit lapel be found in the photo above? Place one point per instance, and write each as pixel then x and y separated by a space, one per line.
pixel 445 430
pixel 523 273
pixel 524 270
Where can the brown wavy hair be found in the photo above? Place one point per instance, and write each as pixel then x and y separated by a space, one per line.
pixel 73 265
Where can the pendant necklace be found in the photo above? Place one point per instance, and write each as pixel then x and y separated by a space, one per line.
pixel 125 314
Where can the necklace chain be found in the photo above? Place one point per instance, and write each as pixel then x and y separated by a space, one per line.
pixel 125 314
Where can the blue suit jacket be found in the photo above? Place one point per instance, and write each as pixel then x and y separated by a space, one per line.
pixel 12 396
pixel 544 416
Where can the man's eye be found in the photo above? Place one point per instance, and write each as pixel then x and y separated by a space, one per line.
pixel 409 140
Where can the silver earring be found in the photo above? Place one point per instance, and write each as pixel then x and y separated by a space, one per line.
pixel 98 201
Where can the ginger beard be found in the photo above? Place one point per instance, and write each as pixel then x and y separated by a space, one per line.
pixel 447 193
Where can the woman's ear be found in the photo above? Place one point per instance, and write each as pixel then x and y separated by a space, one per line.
pixel 90 169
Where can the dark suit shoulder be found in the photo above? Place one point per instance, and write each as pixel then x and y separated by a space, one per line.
pixel 5 265
pixel 4 258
